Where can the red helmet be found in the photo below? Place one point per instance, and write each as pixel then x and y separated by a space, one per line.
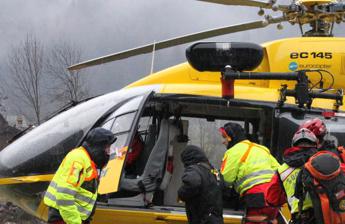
pixel 316 125
pixel 306 136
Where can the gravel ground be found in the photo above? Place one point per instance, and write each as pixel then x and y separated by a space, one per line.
pixel 10 214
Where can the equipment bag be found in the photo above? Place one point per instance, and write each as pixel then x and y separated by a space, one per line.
pixel 323 178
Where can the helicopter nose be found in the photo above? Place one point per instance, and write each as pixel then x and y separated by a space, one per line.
pixel 22 191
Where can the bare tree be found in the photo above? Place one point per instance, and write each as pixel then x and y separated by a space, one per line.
pixel 26 67
pixel 3 97
pixel 70 86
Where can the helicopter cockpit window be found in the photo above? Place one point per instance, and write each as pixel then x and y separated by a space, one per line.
pixel 121 120
pixel 129 106
pixel 120 126
pixel 62 133
pixel 140 147
pixel 123 123
pixel 108 124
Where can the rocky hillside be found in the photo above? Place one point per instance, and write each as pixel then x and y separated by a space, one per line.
pixel 6 132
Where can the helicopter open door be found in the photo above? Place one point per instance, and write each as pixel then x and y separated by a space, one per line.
pixel 123 123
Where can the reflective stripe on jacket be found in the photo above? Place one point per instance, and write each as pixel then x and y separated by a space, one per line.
pixel 288 176
pixel 66 191
pixel 247 164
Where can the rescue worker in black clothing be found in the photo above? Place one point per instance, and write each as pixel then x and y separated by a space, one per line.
pixel 201 188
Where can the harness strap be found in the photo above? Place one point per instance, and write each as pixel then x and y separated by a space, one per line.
pixel 286 173
pixel 327 217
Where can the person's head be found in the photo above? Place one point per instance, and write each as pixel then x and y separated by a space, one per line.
pixel 232 134
pixel 305 138
pixel 317 126
pixel 304 144
pixel 98 142
pixel 192 155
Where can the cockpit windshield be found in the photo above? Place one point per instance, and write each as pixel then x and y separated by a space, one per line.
pixel 57 136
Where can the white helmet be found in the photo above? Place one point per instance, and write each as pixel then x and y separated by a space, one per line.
pixel 304 137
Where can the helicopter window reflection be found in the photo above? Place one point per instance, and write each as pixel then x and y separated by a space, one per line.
pixel 129 106
pixel 123 123
pixel 54 138
pixel 60 134
pixel 205 134
pixel 118 144
pixel 108 124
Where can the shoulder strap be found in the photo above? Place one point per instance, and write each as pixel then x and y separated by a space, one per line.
pixel 283 175
pixel 211 169
pixel 300 193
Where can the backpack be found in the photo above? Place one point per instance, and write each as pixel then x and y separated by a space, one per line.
pixel 323 178
pixel 211 193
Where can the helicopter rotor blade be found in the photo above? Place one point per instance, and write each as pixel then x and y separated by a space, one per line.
pixel 264 5
pixel 178 41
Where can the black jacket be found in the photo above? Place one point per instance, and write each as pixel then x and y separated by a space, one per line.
pixel 201 190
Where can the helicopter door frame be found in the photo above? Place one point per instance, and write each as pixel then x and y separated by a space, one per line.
pixel 112 173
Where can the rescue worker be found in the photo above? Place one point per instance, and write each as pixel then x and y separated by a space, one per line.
pixel 201 188
pixel 248 168
pixel 135 149
pixel 282 189
pixel 72 193
pixel 318 127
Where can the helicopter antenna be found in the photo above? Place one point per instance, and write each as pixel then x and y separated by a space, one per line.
pixel 331 30
pixel 300 26
pixel 153 55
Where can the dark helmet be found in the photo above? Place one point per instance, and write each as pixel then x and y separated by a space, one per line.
pixel 306 136
pixel 317 126
pixel 100 136
pixel 192 155
pixel 235 132
pixel 96 143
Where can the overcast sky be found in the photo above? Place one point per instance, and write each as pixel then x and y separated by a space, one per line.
pixel 102 27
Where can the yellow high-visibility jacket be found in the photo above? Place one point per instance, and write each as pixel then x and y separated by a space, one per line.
pixel 288 175
pixel 73 189
pixel 247 164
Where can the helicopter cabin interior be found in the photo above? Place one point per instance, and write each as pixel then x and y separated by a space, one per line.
pixel 168 122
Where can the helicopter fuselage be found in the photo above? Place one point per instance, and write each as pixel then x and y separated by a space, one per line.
pixel 169 108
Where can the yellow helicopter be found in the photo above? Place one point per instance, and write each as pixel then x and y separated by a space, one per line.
pixel 185 104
